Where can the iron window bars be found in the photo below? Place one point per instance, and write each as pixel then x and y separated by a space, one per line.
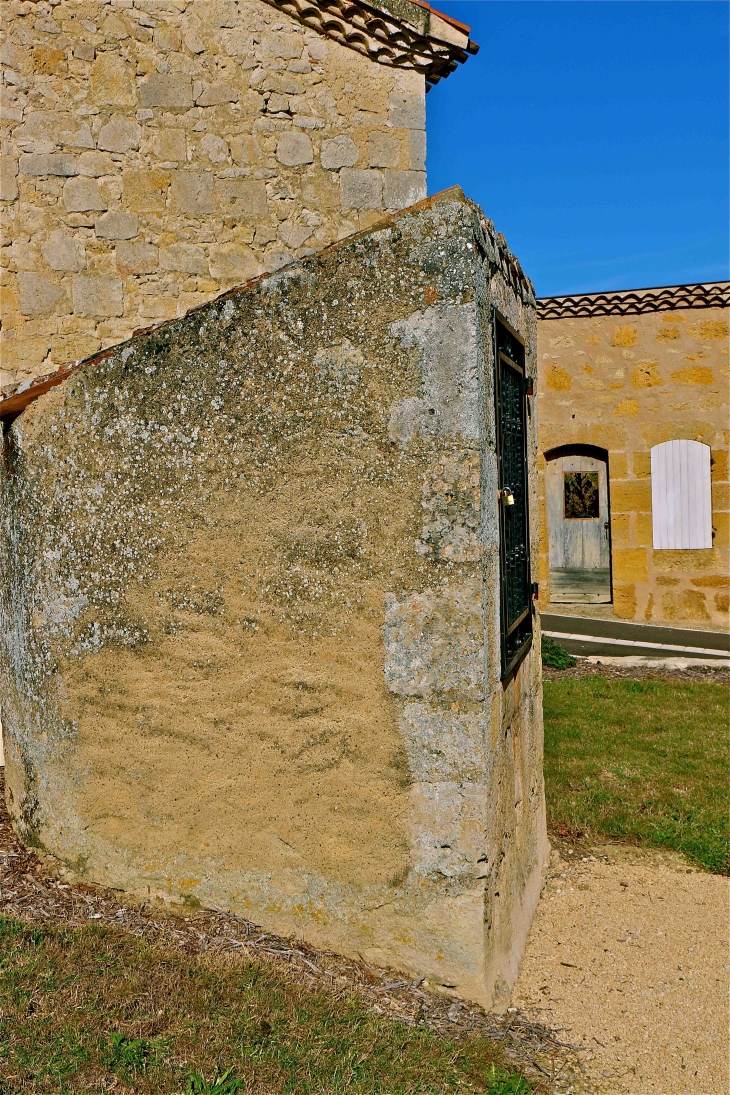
pixel 510 388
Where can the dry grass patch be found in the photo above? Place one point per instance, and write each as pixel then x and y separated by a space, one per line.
pixel 94 1009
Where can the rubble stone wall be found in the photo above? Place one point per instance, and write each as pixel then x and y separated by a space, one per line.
pixel 626 384
pixel 157 152
pixel 250 644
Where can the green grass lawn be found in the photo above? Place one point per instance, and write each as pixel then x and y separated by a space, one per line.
pixel 644 761
pixel 91 1009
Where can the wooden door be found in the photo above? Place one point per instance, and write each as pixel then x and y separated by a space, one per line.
pixel 579 530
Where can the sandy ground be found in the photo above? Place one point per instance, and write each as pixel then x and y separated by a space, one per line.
pixel 628 957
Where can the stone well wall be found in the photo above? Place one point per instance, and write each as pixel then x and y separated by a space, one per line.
pixel 156 152
pixel 626 384
pixel 249 618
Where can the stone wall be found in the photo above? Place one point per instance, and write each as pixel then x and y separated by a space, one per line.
pixel 626 384
pixel 156 152
pixel 250 613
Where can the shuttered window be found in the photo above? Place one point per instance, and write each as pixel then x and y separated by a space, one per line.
pixel 514 547
pixel 681 498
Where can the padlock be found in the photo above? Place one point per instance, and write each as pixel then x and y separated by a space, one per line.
pixel 508 498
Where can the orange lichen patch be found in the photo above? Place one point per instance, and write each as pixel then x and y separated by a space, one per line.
pixel 623 336
pixel 627 408
pixel 49 61
pixel 668 334
pixel 687 604
pixel 430 294
pixel 709 330
pixel 558 378
pixel 695 374
pixel 588 369
pixel 712 580
pixel 645 374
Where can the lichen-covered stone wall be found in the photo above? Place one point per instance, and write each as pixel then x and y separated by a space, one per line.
pixel 625 385
pixel 250 610
pixel 157 152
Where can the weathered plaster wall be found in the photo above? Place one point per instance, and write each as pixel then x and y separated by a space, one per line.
pixel 250 621
pixel 627 384
pixel 157 152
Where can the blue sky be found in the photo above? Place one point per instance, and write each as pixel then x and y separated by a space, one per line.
pixel 594 133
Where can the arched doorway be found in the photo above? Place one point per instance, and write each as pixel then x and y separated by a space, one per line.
pixel 579 527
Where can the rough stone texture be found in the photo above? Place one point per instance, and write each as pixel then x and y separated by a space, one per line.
pixel 38 295
pixel 81 195
pixel 403 188
pixel 341 152
pixel 116 226
pixel 361 189
pixel 63 252
pixel 625 384
pixel 120 134
pixel 171 93
pixel 136 258
pixel 250 611
pixel 97 296
pixel 47 163
pixel 293 149
pixel 383 151
pixel 8 178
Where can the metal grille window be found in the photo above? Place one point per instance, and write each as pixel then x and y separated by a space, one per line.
pixel 514 541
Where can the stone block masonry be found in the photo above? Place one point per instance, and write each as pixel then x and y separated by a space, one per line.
pixel 627 382
pixel 222 139
pixel 249 613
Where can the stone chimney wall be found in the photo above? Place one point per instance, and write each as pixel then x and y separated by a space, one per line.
pixel 158 152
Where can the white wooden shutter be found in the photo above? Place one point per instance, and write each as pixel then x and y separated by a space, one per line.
pixel 681 498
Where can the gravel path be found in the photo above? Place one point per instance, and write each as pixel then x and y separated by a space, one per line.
pixel 628 957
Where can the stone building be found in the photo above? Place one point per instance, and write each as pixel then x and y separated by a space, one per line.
pixel 265 611
pixel 156 152
pixel 634 454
